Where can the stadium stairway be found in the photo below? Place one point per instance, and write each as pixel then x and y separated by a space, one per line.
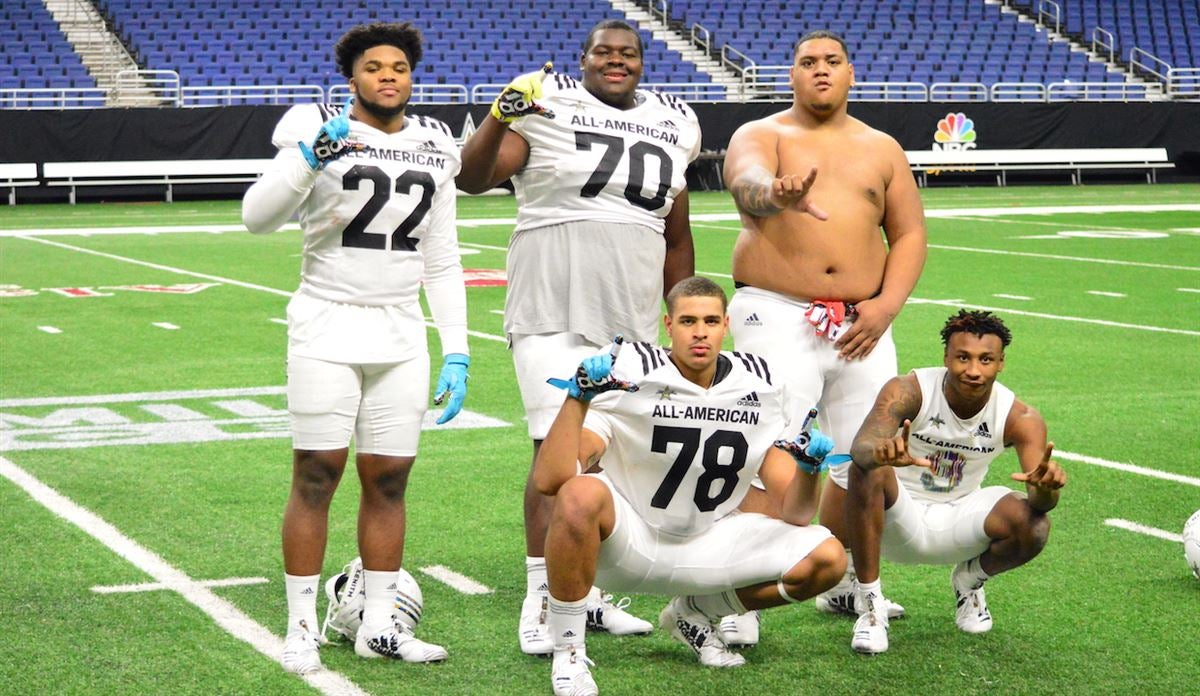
pixel 678 40
pixel 100 51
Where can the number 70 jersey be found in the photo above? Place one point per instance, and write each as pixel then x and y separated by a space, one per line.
pixel 595 162
pixel 682 455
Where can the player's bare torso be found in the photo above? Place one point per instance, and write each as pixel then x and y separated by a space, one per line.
pixel 795 254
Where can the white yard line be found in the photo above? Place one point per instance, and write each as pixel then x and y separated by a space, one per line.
pixel 50 329
pixel 1005 296
pixel 1106 293
pixel 1055 317
pixel 153 586
pixel 1143 529
pixel 1063 257
pixel 1128 468
pixel 456 580
pixel 224 613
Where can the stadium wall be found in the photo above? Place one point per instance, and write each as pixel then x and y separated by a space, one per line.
pixel 245 131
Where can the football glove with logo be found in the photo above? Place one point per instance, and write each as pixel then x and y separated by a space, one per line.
pixel 452 381
pixel 332 140
pixel 810 446
pixel 594 376
pixel 519 98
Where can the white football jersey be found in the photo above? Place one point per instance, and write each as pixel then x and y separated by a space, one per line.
pixel 960 450
pixel 376 218
pixel 685 456
pixel 596 162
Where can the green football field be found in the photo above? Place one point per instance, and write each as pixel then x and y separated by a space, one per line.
pixel 145 462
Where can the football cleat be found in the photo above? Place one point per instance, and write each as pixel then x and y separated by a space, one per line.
pixel 397 642
pixel 871 628
pixel 533 632
pixel 346 594
pixel 570 675
pixel 300 650
pixel 740 630
pixel 972 613
pixel 605 615
pixel 840 600
pixel 696 631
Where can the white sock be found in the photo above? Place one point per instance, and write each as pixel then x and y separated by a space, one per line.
pixel 868 590
pixel 567 622
pixel 970 575
pixel 302 601
pixel 536 582
pixel 717 605
pixel 379 588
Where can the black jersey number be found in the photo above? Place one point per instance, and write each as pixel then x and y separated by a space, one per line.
pixel 714 471
pixel 356 235
pixel 613 150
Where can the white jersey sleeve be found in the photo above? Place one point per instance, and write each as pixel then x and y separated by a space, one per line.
pixel 684 456
pixel 960 450
pixel 596 162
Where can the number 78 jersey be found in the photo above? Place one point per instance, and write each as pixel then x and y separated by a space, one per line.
pixel 685 456
pixel 596 162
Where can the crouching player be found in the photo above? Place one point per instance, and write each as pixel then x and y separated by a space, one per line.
pixel 683 432
pixel 919 461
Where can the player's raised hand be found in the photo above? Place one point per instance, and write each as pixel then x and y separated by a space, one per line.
pixel 332 141
pixel 519 98
pixel 810 447
pixel 894 451
pixel 791 191
pixel 594 376
pixel 1047 475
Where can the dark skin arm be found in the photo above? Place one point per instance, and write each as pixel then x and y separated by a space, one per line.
pixel 491 156
pixel 877 443
pixel 680 261
pixel 1043 477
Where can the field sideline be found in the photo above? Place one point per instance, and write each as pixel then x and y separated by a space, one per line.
pixel 145 459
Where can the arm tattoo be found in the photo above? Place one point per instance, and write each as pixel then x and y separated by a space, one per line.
pixel 898 401
pixel 752 192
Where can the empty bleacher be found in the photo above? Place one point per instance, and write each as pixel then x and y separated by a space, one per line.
pixel 36 52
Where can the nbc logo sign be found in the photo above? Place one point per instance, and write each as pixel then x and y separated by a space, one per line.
pixel 955 132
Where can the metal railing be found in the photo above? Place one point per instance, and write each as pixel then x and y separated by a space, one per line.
pixel 888 91
pixel 1018 92
pixel 1103 38
pixel 1184 84
pixel 661 10
pixel 958 91
pixel 250 94
pixel 1098 91
pixel 54 98
pixel 701 37
pixel 1149 62
pixel 736 61
pixel 421 94
pixel 1049 10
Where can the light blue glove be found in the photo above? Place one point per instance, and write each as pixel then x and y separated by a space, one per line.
pixel 331 141
pixel 810 447
pixel 452 381
pixel 594 376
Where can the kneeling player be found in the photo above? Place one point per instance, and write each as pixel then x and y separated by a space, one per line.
pixel 683 433
pixel 920 458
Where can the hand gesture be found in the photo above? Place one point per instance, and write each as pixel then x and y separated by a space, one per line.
pixel 1047 475
pixel 791 191
pixel 332 140
pixel 594 376
pixel 810 447
pixel 894 451
pixel 860 338
pixel 452 381
pixel 520 97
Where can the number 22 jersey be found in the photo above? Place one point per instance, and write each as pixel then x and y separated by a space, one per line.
pixel 378 222
pixel 682 455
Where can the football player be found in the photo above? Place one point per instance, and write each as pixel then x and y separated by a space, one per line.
pixel 919 462
pixel 374 189
pixel 602 231
pixel 683 432
pixel 818 288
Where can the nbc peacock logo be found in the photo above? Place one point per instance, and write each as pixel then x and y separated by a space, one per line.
pixel 954 132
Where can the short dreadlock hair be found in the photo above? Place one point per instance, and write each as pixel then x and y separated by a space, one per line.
pixel 358 40
pixel 979 323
